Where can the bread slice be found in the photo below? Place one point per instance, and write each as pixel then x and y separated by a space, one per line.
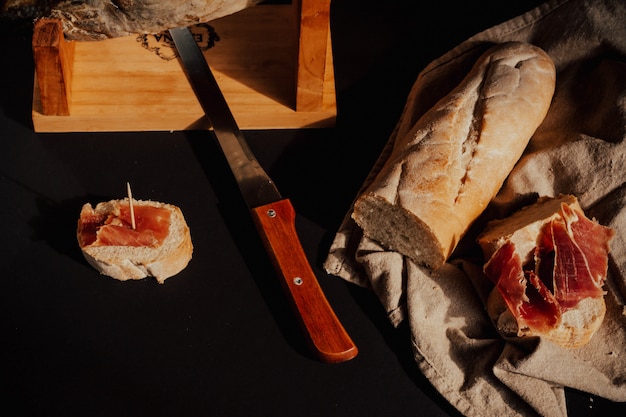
pixel 130 262
pixel 442 176
pixel 577 323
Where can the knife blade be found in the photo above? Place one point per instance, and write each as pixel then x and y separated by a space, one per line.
pixel 273 215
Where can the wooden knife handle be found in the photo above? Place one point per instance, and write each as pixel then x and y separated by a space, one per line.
pixel 323 330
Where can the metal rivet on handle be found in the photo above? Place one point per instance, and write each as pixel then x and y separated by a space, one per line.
pixel 298 281
pixel 271 213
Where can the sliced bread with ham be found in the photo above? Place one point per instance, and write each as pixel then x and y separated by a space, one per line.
pixel 159 246
pixel 548 263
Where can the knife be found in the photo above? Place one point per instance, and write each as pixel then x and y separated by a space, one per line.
pixel 273 215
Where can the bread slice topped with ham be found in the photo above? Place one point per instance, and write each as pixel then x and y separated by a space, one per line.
pixel 159 245
pixel 548 263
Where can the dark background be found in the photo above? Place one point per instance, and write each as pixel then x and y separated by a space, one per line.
pixel 219 338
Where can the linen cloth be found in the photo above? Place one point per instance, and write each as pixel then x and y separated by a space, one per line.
pixel 580 149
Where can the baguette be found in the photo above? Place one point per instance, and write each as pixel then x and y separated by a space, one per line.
pixel 160 246
pixel 442 176
pixel 548 263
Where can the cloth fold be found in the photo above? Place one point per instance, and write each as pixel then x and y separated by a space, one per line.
pixel 579 149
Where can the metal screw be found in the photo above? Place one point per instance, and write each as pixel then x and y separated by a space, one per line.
pixel 298 281
pixel 271 213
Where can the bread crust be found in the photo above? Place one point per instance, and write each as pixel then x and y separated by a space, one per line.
pixel 133 263
pixel 523 226
pixel 441 177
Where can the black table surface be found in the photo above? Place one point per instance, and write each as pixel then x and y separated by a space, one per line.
pixel 219 338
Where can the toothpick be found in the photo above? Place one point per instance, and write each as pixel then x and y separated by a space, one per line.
pixel 130 203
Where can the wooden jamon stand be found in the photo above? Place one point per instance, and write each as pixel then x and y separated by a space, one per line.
pixel 273 63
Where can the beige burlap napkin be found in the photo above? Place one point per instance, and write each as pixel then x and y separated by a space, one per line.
pixel 579 149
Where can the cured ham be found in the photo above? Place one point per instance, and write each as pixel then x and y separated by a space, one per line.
pixel 525 294
pixel 114 228
pixel 568 264
pixel 102 19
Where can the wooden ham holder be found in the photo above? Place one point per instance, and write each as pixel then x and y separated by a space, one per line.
pixel 273 63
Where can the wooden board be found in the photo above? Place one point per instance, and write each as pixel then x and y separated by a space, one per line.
pixel 120 85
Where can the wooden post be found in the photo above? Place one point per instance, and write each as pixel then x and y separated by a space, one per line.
pixel 313 47
pixel 54 57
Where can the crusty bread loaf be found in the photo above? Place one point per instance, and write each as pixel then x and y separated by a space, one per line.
pixel 162 261
pixel 442 176
pixel 523 229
